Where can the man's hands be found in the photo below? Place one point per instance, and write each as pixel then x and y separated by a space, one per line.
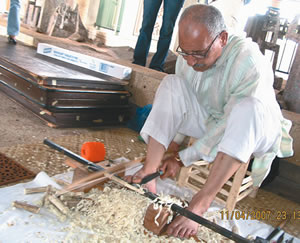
pixel 171 167
pixel 223 168
pixel 138 176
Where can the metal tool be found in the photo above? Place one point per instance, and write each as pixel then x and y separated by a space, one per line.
pixel 150 177
pixel 280 239
pixel 176 208
pixel 74 156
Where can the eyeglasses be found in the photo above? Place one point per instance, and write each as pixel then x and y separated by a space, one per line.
pixel 197 54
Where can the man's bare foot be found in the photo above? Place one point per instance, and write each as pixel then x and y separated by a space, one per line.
pixel 182 227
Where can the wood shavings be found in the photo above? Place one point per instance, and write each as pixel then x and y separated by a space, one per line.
pixel 10 224
pixel 235 229
pixel 115 215
pixel 166 201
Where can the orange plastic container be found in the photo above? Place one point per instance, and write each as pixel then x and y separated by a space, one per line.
pixel 93 151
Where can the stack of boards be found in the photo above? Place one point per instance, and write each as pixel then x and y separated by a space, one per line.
pixel 60 93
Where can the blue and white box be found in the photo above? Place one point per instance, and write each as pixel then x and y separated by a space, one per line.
pixel 85 61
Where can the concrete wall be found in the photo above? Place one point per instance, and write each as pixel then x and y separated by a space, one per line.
pixel 143 83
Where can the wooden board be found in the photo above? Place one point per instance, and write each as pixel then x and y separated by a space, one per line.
pixel 80 117
pixel 50 97
pixel 60 95
pixel 84 180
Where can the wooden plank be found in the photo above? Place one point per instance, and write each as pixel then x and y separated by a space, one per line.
pixel 63 97
pixel 245 193
pixel 247 179
pixel 183 176
pixel 234 190
pixel 66 118
pixel 244 187
pixel 100 174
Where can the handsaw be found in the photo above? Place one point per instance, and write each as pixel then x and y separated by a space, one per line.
pixel 176 208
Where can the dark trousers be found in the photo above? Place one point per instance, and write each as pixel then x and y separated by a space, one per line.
pixel 151 8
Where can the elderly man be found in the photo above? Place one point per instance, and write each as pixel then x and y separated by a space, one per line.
pixel 222 95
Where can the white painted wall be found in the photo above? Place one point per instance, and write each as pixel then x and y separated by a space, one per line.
pixel 92 13
pixel 231 9
pixel 3 6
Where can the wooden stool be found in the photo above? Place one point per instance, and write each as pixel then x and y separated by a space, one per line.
pixel 235 189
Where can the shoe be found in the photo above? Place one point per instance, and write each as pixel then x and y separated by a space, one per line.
pixel 12 40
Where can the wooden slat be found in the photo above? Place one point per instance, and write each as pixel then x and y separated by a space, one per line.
pixel 245 193
pixel 234 190
pixel 202 180
pixel 247 179
pixel 245 186
pixel 100 174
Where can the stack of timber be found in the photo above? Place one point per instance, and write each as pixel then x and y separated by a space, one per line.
pixel 62 94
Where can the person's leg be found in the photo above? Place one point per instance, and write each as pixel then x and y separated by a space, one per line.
pixel 171 11
pixel 253 128
pixel 13 22
pixel 144 40
pixel 175 110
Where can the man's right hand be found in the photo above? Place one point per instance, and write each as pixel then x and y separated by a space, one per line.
pixel 170 167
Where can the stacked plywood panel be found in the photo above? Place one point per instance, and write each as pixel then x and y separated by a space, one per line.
pixel 62 94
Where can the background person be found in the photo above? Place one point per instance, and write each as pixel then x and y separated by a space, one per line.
pixel 141 51
pixel 13 22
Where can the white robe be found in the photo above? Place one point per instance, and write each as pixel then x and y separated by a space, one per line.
pixel 229 108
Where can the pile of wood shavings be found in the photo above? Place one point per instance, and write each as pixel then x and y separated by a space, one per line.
pixel 113 215
pixel 166 201
pixel 117 215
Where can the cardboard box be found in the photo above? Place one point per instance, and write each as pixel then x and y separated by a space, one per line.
pixel 85 61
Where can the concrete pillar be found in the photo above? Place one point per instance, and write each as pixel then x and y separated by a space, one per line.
pixel 83 10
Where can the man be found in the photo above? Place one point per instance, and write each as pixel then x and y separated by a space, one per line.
pixel 222 94
pixel 141 51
